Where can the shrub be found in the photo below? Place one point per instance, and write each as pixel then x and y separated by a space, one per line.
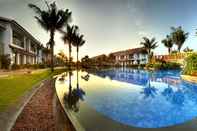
pixel 163 65
pixel 190 67
pixel 42 66
pixel 15 66
pixel 5 61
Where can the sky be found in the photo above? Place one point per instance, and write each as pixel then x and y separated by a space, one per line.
pixel 112 25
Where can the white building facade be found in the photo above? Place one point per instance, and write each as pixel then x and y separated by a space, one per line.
pixel 18 43
pixel 134 56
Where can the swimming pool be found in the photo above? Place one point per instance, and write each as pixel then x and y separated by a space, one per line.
pixel 129 97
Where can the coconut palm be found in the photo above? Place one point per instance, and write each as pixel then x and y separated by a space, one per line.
pixel 187 49
pixel 62 56
pixel 178 37
pixel 149 45
pixel 78 42
pixel 168 43
pixel 51 20
pixel 69 38
pixel 46 51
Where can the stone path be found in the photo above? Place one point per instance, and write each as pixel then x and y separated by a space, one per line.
pixel 41 115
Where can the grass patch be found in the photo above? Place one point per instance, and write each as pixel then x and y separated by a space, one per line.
pixel 15 86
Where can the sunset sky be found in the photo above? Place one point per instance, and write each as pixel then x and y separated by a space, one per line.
pixel 112 25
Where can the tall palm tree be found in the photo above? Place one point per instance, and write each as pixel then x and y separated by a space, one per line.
pixel 78 42
pixel 62 56
pixel 178 37
pixel 187 49
pixel 149 44
pixel 168 43
pixel 51 20
pixel 46 51
pixel 69 38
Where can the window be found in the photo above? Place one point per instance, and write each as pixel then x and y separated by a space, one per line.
pixel 18 40
pixel 33 48
pixel 122 57
pixel 130 56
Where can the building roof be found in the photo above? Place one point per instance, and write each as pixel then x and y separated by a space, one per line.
pixel 98 56
pixel 130 51
pixel 19 26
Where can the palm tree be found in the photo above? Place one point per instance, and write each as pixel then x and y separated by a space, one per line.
pixel 187 49
pixel 62 56
pixel 69 38
pixel 46 51
pixel 51 20
pixel 178 37
pixel 149 44
pixel 78 42
pixel 168 43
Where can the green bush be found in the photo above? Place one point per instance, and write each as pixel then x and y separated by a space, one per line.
pixel 42 66
pixel 190 64
pixel 28 66
pixel 163 66
pixel 5 61
pixel 149 65
pixel 15 66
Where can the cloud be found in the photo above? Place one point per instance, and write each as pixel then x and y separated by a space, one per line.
pixel 136 12
pixel 142 33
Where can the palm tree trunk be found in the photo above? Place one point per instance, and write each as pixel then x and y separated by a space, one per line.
pixel 77 79
pixel 69 55
pixel 149 55
pixel 179 49
pixel 70 86
pixel 179 46
pixel 52 60
pixel 77 56
pixel 77 67
pixel 169 50
pixel 52 33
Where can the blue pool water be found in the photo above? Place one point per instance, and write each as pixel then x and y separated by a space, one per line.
pixel 137 97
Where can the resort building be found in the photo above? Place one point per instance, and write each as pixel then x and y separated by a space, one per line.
pixel 18 43
pixel 135 56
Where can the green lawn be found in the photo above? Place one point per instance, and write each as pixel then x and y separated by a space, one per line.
pixel 13 87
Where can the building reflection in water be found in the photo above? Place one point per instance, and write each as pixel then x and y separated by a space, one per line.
pixel 74 95
pixel 145 78
pixel 139 77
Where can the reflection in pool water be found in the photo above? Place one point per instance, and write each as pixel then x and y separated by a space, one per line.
pixel 74 94
pixel 133 97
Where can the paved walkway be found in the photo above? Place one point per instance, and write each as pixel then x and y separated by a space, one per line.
pixel 42 114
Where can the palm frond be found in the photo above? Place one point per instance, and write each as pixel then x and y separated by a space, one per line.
pixel 36 9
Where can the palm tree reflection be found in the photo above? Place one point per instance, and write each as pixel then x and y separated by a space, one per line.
pixel 86 77
pixel 149 91
pixel 74 95
pixel 175 97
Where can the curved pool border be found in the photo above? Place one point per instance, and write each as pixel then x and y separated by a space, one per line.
pixel 189 125
pixel 72 119
pixel 190 79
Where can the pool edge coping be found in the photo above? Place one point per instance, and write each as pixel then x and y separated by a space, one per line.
pixel 77 126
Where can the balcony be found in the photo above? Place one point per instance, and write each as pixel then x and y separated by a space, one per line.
pixel 18 43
